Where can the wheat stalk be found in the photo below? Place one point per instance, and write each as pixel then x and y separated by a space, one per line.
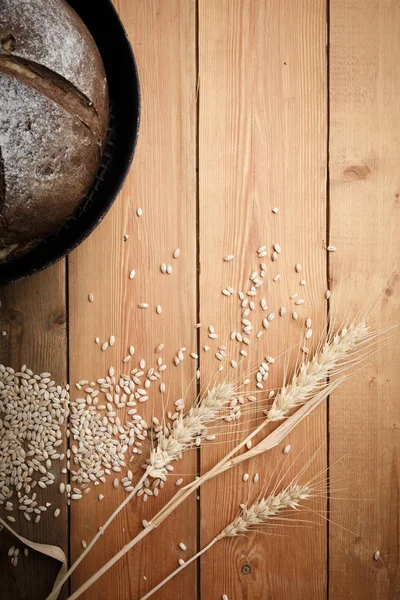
pixel 260 513
pixel 187 432
pixel 269 442
pixel 307 384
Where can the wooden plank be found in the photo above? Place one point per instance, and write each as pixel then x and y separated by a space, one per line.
pixel 262 131
pixel 162 183
pixel 33 313
pixel 365 225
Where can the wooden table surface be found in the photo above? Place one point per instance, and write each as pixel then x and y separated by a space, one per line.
pixel 247 105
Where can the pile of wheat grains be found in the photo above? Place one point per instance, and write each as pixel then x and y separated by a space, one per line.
pixel 42 429
pixel 48 438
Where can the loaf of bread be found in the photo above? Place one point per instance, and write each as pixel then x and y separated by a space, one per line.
pixel 53 119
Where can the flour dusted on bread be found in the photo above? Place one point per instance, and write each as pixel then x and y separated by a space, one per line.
pixel 48 158
pixel 53 119
pixel 51 34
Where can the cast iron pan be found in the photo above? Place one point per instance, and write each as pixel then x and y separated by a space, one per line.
pixel 102 21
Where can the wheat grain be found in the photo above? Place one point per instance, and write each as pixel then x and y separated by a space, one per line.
pixel 332 357
pixel 32 412
pixel 269 442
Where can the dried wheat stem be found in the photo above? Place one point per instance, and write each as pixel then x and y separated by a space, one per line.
pixel 179 569
pixel 272 440
pixel 186 432
pixel 266 444
pixel 99 573
pixel 260 513
pixel 56 590
pixel 304 387
pixel 278 435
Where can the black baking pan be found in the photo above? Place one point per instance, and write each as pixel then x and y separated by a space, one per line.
pixel 103 22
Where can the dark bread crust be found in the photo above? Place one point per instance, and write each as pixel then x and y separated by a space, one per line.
pixel 48 179
pixel 53 86
pixel 2 182
pixel 51 131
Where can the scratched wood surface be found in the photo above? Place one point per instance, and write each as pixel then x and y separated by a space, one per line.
pixel 240 112
pixel 365 226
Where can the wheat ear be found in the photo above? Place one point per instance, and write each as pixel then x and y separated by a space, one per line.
pixel 187 432
pixel 306 383
pixel 262 512
pixel 269 442
pixel 315 371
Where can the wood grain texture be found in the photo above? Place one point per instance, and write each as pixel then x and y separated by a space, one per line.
pixel 262 142
pixel 365 226
pixel 33 313
pixel 262 136
pixel 162 183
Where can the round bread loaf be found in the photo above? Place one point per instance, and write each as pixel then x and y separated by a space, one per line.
pixel 53 119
